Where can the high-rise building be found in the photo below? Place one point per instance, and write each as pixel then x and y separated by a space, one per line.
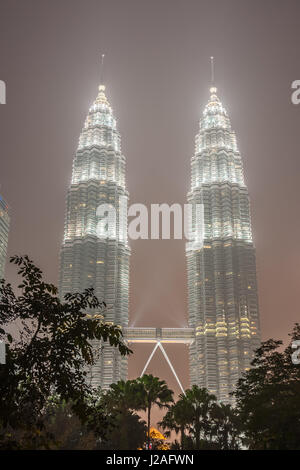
pixel 92 256
pixel 222 288
pixel 4 230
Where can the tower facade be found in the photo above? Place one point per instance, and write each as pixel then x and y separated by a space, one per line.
pixel 222 287
pixel 4 230
pixel 91 255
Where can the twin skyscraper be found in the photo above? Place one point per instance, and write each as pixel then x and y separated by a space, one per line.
pixel 223 328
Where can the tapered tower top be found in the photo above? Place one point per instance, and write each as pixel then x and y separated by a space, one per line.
pixel 101 98
pixel 100 127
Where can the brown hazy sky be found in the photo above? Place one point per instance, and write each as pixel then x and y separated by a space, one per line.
pixel 157 77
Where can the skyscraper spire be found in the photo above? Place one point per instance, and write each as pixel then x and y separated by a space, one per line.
pixel 102 72
pixel 213 88
pixel 212 71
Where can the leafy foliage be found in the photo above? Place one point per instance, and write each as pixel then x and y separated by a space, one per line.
pixel 120 401
pixel 200 401
pixel 153 391
pixel 51 350
pixel 202 422
pixel 225 427
pixel 178 418
pixel 268 397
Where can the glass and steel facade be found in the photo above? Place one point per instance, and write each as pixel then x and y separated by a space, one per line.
pixel 222 286
pixel 4 230
pixel 90 258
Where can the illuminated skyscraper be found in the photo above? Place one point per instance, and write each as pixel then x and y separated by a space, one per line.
pixel 4 230
pixel 91 256
pixel 222 288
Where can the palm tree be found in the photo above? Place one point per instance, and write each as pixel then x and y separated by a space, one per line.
pixel 178 418
pixel 201 401
pixel 122 395
pixel 153 392
pixel 226 426
pixel 121 398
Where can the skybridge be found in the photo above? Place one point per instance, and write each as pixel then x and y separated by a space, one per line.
pixel 158 336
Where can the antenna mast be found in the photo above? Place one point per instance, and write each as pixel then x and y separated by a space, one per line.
pixel 102 69
pixel 212 71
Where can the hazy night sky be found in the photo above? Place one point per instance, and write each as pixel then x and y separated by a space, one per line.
pixel 157 76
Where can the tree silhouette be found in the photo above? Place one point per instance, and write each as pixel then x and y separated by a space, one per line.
pixel 200 400
pixel 49 352
pixel 153 392
pixel 178 418
pixel 121 399
pixel 225 426
pixel 268 397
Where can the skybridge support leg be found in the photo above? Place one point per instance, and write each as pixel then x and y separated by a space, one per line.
pixel 158 344
pixel 171 367
pixel 150 357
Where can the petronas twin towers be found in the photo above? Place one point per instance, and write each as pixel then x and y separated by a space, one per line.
pixel 223 326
